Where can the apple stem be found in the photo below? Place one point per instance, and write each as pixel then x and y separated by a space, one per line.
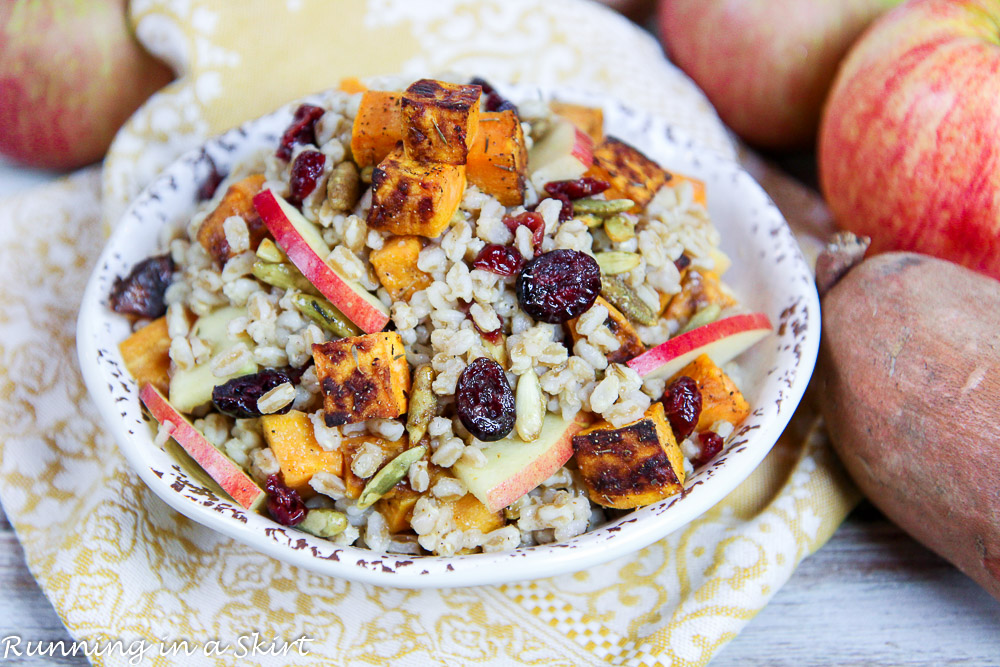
pixel 843 251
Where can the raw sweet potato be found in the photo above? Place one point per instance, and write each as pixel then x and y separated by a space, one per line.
pixel 498 159
pixel 909 383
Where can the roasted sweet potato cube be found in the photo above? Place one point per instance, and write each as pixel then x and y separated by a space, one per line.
pixel 637 464
pixel 362 377
pixel 395 265
pixel 351 447
pixel 146 354
pixel 699 288
pixel 680 180
pixel 440 121
pixel 720 397
pixel 292 439
pixel 590 120
pixel 238 200
pixel 351 85
pixel 414 198
pixel 378 126
pixel 631 344
pixel 471 514
pixel 631 174
pixel 498 160
pixel 396 507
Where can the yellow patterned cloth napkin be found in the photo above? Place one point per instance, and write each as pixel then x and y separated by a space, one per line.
pixel 119 564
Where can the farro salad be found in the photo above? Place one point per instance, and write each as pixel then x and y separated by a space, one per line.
pixel 430 321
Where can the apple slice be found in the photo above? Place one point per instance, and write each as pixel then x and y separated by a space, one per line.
pixel 721 340
pixel 514 467
pixel 220 467
pixel 563 154
pixel 307 250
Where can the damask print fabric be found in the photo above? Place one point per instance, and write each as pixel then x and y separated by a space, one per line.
pixel 118 564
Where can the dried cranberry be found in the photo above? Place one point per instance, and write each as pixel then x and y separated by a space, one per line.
pixel 211 182
pixel 492 100
pixel 141 292
pixel 306 170
pixel 484 400
pixel 578 188
pixel 559 285
pixel 533 221
pixel 682 262
pixel 284 504
pixel 238 397
pixel 711 444
pixel 301 131
pixel 499 259
pixel 682 401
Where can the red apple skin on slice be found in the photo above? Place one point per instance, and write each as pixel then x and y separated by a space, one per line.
pixel 220 467
pixel 513 467
pixel 722 340
pixel 290 230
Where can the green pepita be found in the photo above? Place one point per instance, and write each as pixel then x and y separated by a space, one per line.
pixel 706 315
pixel 619 228
pixel 366 175
pixel 624 298
pixel 282 275
pixel 589 219
pixel 343 188
pixel 423 403
pixel 323 522
pixel 389 476
pixel 613 263
pixel 268 251
pixel 602 207
pixel 326 315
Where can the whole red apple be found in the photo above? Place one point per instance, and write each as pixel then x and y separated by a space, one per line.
pixel 909 150
pixel 766 65
pixel 71 72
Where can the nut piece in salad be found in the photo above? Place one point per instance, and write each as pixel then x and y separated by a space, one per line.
pixel 560 308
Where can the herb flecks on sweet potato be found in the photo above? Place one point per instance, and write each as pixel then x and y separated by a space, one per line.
pixel 362 377
pixel 631 174
pixel 378 126
pixel 440 121
pixel 498 159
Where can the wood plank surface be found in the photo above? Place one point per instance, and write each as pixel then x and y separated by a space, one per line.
pixel 871 596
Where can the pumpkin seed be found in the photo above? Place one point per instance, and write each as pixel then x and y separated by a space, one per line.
pixel 343 188
pixel 706 315
pixel 530 407
pixel 326 315
pixel 602 207
pixel 619 228
pixel 496 351
pixel 613 263
pixel 282 275
pixel 389 476
pixel 323 522
pixel 423 403
pixel 366 175
pixel 268 251
pixel 624 298
pixel 589 219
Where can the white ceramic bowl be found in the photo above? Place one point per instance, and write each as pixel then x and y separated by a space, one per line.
pixel 768 272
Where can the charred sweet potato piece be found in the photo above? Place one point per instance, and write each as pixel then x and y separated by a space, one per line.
pixel 377 127
pixel 631 174
pixel 362 377
pixel 292 439
pixel 621 328
pixel 414 198
pixel 351 447
pixel 699 288
pixel 146 354
pixel 720 397
pixel 238 200
pixel 637 464
pixel 440 121
pixel 498 160
pixel 589 120
pixel 395 265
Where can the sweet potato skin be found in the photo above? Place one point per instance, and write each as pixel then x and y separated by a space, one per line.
pixel 909 377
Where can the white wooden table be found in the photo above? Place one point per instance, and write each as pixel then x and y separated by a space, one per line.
pixel 871 596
